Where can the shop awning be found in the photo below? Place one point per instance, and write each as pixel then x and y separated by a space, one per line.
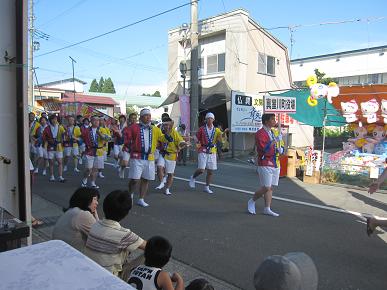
pixel 313 116
pixel 211 97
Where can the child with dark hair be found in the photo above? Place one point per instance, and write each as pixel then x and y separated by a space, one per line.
pixel 151 276
pixel 199 284
pixel 73 227
pixel 109 244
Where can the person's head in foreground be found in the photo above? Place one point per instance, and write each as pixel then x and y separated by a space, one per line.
pixel 85 198
pixel 117 205
pixel 158 251
pixel 199 284
pixel 293 271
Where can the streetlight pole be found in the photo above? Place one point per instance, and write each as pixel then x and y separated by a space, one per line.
pixel 72 62
pixel 183 71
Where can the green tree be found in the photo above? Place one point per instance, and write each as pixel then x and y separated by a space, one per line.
pixel 129 110
pixel 156 94
pixel 321 77
pixel 94 86
pixel 101 84
pixel 143 94
pixel 108 86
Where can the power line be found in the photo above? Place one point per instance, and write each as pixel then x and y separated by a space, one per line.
pixel 63 13
pixel 117 29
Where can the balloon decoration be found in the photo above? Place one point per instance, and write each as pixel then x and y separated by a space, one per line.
pixel 319 91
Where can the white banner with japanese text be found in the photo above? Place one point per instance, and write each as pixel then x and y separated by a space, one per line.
pixel 246 112
pixel 279 104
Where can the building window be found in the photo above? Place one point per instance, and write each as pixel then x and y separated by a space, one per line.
pixel 221 62
pixel 266 64
pixel 212 64
pixel 201 66
pixel 216 63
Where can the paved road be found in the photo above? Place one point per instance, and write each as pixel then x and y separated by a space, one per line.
pixel 215 234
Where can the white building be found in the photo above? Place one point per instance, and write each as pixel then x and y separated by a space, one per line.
pixel 66 85
pixel 353 67
pixel 235 53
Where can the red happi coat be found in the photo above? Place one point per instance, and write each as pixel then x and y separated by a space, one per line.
pixel 91 149
pixel 265 149
pixel 132 140
pixel 127 139
pixel 203 140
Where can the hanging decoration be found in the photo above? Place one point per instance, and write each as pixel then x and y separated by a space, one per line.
pixel 320 91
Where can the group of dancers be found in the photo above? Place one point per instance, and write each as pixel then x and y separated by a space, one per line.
pixel 144 148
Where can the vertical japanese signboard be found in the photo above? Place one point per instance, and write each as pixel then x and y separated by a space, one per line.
pixel 246 112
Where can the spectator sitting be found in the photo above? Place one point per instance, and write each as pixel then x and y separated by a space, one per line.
pixel 199 284
pixel 294 271
pixel 151 276
pixel 73 227
pixel 109 244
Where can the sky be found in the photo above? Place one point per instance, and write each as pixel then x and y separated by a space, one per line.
pixel 136 58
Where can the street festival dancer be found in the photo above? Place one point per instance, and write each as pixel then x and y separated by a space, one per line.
pixel 207 137
pixel 71 148
pixel 119 140
pixel 126 147
pixel 94 142
pixel 142 139
pixel 53 142
pixel 106 136
pixel 170 143
pixel 268 149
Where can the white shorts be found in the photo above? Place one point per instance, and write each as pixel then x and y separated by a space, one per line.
pixel 139 168
pixel 104 156
pixel 117 149
pixel 157 154
pixel 207 161
pixel 169 165
pixel 268 176
pixel 71 151
pixel 94 162
pixel 125 156
pixel 42 152
pixel 55 155
pixel 33 149
pixel 82 148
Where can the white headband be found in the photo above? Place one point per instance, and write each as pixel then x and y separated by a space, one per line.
pixel 144 112
pixel 210 115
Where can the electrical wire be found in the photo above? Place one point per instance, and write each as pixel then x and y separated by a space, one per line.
pixel 117 29
pixel 67 11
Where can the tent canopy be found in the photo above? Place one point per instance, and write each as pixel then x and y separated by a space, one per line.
pixel 210 97
pixel 313 116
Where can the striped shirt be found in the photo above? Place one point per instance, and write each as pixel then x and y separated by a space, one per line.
pixel 109 244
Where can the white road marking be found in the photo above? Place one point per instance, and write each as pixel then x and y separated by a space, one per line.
pixel 362 216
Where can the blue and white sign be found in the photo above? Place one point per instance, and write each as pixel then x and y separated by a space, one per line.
pixel 246 112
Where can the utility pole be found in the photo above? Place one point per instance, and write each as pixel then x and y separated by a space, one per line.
pixel 31 96
pixel 194 95
pixel 72 62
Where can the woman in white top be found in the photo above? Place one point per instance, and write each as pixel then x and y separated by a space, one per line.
pixel 73 227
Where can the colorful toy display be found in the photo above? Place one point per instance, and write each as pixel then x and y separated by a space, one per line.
pixel 319 91
pixel 369 110
pixel 349 110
